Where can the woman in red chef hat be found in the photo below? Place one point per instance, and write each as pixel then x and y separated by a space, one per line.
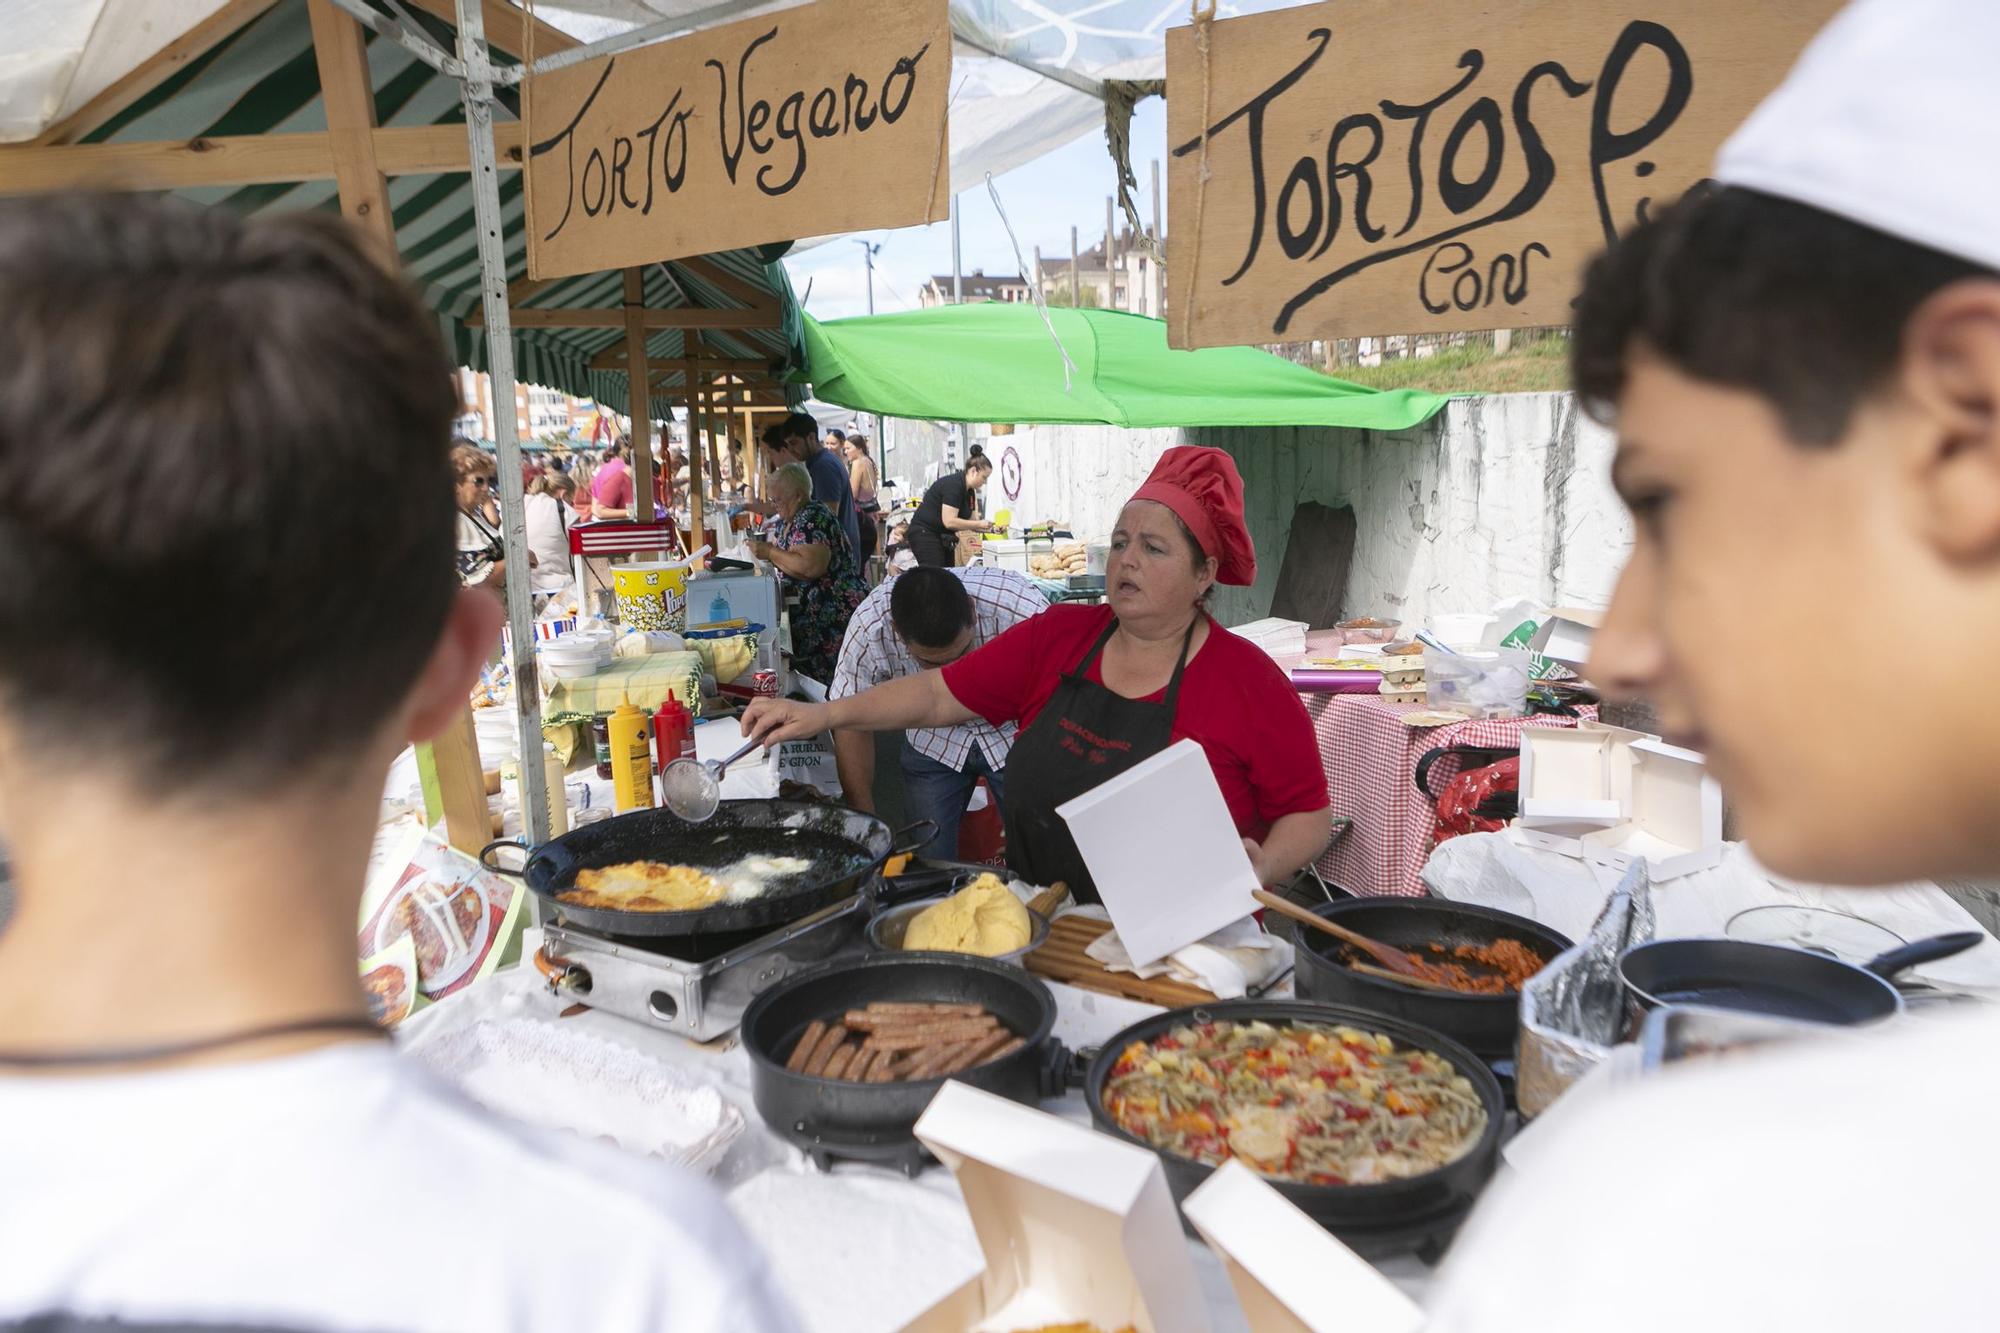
pixel 1096 689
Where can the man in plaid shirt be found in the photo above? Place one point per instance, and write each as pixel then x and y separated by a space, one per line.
pixel 916 622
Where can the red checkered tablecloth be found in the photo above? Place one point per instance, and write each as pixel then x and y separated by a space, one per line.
pixel 1371 763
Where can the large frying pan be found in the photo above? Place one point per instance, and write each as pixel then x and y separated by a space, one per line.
pixel 1375 1220
pixel 1776 980
pixel 844 847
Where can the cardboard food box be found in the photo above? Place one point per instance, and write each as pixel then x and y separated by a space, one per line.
pixel 1676 820
pixel 1612 796
pixel 1290 1275
pixel 1162 848
pixel 1565 638
pixel 1076 1226
pixel 1575 781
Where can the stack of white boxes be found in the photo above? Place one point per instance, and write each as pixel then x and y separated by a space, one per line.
pixel 1608 795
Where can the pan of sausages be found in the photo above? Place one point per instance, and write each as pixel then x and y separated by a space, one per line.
pixel 845 1058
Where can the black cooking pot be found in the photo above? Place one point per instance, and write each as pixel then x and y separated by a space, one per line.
pixel 1488 1025
pixel 1396 1216
pixel 836 1120
pixel 1777 980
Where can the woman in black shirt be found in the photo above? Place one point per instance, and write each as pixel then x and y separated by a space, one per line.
pixel 946 511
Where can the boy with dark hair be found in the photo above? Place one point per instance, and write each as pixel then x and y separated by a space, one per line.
pixel 796 440
pixel 212 653
pixel 1803 364
pixel 918 621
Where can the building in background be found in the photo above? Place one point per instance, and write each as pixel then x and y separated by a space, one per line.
pixel 976 287
pixel 539 413
pixel 1132 280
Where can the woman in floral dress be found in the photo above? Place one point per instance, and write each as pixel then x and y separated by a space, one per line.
pixel 811 550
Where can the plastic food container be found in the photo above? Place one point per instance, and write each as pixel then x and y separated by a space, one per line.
pixel 1368 629
pixel 652 595
pixel 550 1075
pixel 1002 554
pixel 1477 682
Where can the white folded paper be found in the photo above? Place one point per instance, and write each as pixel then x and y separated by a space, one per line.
pixel 1226 964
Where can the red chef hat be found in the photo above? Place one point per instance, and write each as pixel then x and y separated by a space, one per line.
pixel 1204 489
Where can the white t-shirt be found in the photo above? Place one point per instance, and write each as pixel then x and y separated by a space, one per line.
pixel 548 537
pixel 345 1188
pixel 1841 1187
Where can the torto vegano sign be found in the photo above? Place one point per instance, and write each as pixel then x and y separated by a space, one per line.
pixel 1403 166
pixel 825 118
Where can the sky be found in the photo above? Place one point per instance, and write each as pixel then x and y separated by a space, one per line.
pixel 1044 199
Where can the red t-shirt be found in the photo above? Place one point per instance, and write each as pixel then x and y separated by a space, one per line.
pixel 611 488
pixel 1234 702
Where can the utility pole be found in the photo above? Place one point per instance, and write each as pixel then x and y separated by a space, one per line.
pixel 1110 255
pixel 1075 282
pixel 1159 237
pixel 957 281
pixel 868 256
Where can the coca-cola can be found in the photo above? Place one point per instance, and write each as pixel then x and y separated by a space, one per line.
pixel 765 683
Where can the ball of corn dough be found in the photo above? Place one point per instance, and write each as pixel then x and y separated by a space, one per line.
pixel 983 918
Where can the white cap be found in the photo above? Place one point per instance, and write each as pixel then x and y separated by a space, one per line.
pixel 1891 118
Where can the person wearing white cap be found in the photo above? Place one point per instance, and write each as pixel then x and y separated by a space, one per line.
pixel 1802 360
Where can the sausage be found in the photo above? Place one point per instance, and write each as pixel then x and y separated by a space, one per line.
pixel 910 1039
pixel 979 1053
pixel 864 1061
pixel 860 1020
pixel 816 1062
pixel 884 1068
pixel 801 1052
pixel 899 1007
pixel 843 1056
pixel 933 1062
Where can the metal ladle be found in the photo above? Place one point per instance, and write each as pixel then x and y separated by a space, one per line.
pixel 693 787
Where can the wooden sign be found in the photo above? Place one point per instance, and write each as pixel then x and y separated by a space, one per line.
pixel 825 118
pixel 1389 166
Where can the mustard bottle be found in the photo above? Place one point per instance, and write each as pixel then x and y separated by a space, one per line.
pixel 631 730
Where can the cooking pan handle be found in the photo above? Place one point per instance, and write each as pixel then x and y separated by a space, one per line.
pixel 1075 1067
pixel 1054 1071
pixel 905 841
pixel 1471 757
pixel 1924 951
pixel 486 858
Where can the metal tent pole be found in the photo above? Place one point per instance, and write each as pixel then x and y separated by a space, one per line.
pixel 957 269
pixel 477 93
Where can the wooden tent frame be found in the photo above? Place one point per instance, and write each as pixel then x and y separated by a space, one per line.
pixel 359 156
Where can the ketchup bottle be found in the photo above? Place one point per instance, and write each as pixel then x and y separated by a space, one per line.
pixel 671 725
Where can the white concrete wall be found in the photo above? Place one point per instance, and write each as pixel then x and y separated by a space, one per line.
pixel 1496 497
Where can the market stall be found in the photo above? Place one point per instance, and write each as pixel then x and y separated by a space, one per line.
pixel 927 1087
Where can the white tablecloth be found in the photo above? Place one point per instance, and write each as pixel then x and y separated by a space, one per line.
pixel 915 1245
pixel 1566 895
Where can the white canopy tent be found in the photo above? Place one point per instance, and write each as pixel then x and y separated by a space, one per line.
pixel 1027 77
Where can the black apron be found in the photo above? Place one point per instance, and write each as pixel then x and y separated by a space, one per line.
pixel 1084 736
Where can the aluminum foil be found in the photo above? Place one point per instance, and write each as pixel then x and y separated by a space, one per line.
pixel 1573 1011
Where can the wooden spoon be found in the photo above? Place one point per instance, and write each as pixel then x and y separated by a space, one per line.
pixel 1395 960
pixel 1045 903
pixel 1415 983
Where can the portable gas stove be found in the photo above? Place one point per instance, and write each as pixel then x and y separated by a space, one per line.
pixel 697 986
